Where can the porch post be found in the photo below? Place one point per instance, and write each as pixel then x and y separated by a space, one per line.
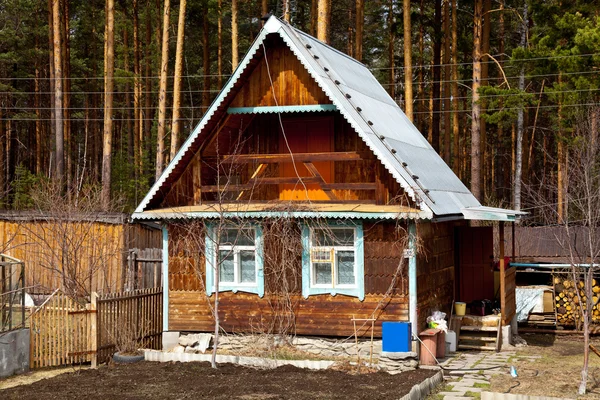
pixel 412 277
pixel 502 270
pixel 165 280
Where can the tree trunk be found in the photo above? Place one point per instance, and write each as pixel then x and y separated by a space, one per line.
pixel 421 117
pixel 485 49
pixel 176 123
pixel 314 14
pixel 286 10
pixel 147 115
pixel 391 42
pixel 108 104
pixel 162 91
pixel 206 96
pixel 3 199
pixel 437 49
pixel 447 115
pixel 520 121
pixel 360 19
pixel 322 19
pixel 66 60
pixel 52 76
pixel 264 8
pixel 131 142
pixel 138 115
pixel 476 107
pixel 219 45
pixel 455 102
pixel 408 89
pixel 499 175
pixel 38 121
pixel 234 36
pixel 58 93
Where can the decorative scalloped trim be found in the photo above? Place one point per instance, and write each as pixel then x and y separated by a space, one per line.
pixel 269 214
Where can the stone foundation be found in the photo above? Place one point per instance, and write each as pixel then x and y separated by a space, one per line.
pixel 271 347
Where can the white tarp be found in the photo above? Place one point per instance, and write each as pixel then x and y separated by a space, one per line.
pixel 528 299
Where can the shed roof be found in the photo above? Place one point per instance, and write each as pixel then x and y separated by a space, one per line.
pixel 368 108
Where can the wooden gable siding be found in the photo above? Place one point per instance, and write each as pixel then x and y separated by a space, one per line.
pixel 305 133
pixel 291 81
pixel 435 269
pixel 189 308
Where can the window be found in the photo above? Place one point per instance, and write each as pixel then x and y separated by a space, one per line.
pixel 237 252
pixel 332 261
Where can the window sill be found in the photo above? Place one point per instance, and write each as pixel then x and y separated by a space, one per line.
pixel 353 292
pixel 255 289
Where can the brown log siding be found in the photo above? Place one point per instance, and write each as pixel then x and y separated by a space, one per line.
pixel 190 309
pixel 435 269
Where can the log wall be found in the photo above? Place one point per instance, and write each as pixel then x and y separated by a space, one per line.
pixel 435 269
pixel 326 315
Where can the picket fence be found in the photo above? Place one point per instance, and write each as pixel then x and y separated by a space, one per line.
pixel 66 332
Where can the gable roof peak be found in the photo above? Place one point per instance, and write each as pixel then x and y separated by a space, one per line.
pixel 368 108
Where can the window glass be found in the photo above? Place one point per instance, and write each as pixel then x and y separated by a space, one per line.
pixel 345 268
pixel 226 266
pixel 237 237
pixel 322 273
pixel 333 237
pixel 247 266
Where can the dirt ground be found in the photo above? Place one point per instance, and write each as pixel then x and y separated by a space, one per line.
pixel 150 380
pixel 557 373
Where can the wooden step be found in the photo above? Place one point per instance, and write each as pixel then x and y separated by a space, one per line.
pixel 479 328
pixel 475 347
pixel 478 338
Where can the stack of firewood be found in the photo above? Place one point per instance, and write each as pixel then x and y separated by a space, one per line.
pixel 569 296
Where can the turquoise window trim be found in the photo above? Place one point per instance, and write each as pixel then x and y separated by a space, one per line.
pixel 281 109
pixel 211 257
pixel 359 290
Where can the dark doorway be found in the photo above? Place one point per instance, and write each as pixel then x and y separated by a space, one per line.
pixel 475 268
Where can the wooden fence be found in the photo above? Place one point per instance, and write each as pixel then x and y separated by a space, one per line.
pixel 65 332
pixel 144 269
pixel 62 333
pixel 78 254
pixel 131 316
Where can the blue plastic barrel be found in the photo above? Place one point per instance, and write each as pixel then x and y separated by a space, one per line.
pixel 396 336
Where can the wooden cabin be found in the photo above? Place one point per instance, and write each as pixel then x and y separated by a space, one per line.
pixel 304 143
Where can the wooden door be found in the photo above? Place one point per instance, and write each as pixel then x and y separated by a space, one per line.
pixel 306 135
pixel 475 270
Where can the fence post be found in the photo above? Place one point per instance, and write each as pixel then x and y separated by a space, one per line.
pixel 93 339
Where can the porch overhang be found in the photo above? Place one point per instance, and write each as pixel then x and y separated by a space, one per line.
pixel 286 210
pixel 482 213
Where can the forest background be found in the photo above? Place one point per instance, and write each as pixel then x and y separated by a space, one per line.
pixel 98 94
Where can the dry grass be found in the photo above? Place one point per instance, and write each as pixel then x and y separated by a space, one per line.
pixel 557 373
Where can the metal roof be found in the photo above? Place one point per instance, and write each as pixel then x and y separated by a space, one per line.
pixel 374 115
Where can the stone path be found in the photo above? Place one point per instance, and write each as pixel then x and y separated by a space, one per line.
pixel 471 372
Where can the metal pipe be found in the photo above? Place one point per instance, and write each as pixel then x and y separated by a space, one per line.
pixel 551 266
pixel 412 276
